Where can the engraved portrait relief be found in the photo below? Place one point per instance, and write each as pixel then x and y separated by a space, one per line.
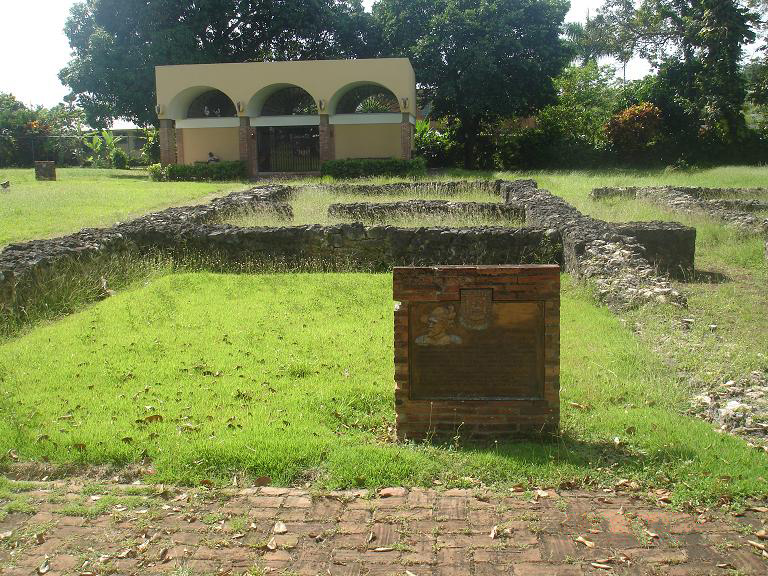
pixel 438 325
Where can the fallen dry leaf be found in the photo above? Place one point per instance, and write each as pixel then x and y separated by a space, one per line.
pixel 762 534
pixel 164 557
pixel 757 545
pixel 39 538
pixel 45 567
pixel 601 566
pixel 383 549
pixel 494 533
pixel 651 534
pixel 587 543
pixel 272 544
pixel 542 493
pixel 153 418
pixel 127 553
pixel 6 535
pixel 757 509
pixel 577 405
pixel 262 481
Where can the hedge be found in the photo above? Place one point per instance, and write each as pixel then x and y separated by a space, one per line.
pixel 234 170
pixel 365 167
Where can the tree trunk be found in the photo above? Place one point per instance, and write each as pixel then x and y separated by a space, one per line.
pixel 469 126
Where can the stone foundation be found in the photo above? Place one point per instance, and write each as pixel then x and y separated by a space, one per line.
pixel 372 212
pixel 624 260
pixel 708 201
pixel 619 265
pixel 197 230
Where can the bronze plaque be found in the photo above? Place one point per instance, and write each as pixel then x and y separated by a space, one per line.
pixel 476 349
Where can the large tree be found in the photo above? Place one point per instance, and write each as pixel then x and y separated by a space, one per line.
pixel 117 43
pixel 478 60
pixel 698 46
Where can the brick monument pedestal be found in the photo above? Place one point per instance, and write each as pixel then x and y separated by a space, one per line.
pixel 45 170
pixel 477 352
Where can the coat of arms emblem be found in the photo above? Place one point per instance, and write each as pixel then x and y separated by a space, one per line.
pixel 476 309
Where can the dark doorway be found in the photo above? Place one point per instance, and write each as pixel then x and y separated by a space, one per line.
pixel 289 149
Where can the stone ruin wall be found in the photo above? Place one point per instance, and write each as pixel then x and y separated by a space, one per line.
pixel 198 229
pixel 622 259
pixel 737 211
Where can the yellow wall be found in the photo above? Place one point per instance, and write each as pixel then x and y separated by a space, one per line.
pixel 223 142
pixel 367 140
pixel 248 82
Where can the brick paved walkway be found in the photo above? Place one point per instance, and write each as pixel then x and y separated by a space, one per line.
pixel 118 529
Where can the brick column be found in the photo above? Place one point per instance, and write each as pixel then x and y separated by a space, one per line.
pixel 168 141
pixel 406 137
pixel 179 145
pixel 244 142
pixel 327 151
pixel 253 153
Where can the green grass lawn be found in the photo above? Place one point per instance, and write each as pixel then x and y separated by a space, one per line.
pixel 290 376
pixel 83 197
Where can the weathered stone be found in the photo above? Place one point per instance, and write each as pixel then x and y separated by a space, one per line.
pixel 376 212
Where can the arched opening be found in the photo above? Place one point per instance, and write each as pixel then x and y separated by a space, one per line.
pixel 287 129
pixel 289 101
pixel 365 99
pixel 193 102
pixel 212 104
pixel 282 100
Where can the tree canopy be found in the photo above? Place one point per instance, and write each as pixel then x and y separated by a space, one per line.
pixel 478 60
pixel 116 43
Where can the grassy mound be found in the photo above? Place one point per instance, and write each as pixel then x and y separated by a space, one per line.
pixel 290 376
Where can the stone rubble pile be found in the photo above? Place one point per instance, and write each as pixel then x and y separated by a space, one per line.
pixel 737 406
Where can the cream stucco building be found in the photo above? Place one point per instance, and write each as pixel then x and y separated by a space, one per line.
pixel 286 116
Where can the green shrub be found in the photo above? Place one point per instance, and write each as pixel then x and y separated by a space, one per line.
pixel 158 172
pixel 366 167
pixel 633 132
pixel 118 158
pixel 150 151
pixel 215 171
pixel 438 148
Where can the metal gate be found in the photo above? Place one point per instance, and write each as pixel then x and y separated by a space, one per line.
pixel 289 149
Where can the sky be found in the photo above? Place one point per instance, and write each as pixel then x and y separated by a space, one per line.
pixel 34 47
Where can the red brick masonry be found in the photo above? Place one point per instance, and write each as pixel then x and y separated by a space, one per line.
pixel 537 414
pixel 153 530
